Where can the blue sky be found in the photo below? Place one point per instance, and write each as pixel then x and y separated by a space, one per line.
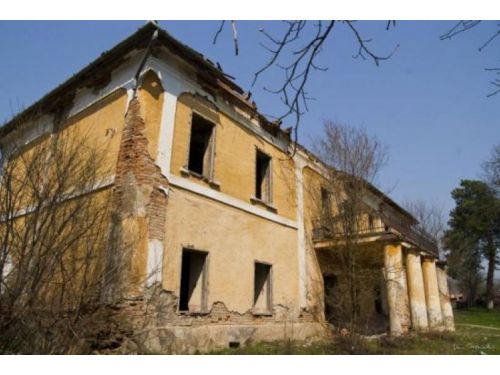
pixel 427 103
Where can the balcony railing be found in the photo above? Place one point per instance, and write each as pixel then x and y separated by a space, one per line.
pixel 413 233
pixel 326 228
pixel 330 227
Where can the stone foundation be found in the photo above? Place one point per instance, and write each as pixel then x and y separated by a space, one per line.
pixel 153 325
pixel 204 338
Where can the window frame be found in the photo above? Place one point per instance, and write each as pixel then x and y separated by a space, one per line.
pixel 326 209
pixel 267 197
pixel 371 222
pixel 269 301
pixel 204 282
pixel 209 174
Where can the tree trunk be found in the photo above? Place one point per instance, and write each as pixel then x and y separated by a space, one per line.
pixel 490 288
pixel 471 291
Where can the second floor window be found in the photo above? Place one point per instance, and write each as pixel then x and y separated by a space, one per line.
pixel 263 177
pixel 326 210
pixel 201 146
pixel 371 224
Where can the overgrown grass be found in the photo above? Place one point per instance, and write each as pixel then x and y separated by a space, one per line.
pixel 478 316
pixel 466 340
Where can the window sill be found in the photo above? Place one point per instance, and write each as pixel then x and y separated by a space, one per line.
pixel 193 313
pixel 261 313
pixel 266 205
pixel 212 183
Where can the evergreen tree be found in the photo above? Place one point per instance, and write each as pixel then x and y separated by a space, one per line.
pixel 474 233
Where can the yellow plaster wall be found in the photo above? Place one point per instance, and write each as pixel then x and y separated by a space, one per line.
pixel 81 262
pixel 95 130
pixel 151 97
pixel 313 182
pixel 235 153
pixel 101 126
pixel 234 240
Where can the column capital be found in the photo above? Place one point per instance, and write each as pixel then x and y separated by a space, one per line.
pixel 414 251
pixel 391 242
pixel 428 258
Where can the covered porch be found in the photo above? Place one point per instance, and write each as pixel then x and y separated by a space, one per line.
pixel 408 283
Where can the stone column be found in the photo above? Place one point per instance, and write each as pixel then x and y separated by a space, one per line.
pixel 397 291
pixel 434 315
pixel 416 292
pixel 444 299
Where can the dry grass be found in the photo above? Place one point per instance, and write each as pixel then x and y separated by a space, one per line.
pixel 478 332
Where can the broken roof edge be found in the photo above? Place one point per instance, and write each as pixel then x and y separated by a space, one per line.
pixel 49 101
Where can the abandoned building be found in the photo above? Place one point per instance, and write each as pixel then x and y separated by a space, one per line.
pixel 225 226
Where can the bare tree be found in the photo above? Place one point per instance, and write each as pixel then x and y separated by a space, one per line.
pixel 355 159
pixel 491 169
pixel 431 217
pixel 53 217
pixel 464 26
pixel 296 50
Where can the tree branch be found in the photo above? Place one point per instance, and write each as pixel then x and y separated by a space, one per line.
pixel 302 60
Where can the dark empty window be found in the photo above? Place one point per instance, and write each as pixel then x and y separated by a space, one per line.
pixel 370 222
pixel 200 146
pixel 379 308
pixel 262 288
pixel 325 203
pixel 193 281
pixel 263 177
pixel 330 284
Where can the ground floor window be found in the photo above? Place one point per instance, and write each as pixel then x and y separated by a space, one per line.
pixel 262 289
pixel 329 283
pixel 193 293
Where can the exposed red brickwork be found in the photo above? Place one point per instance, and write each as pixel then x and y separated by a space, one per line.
pixel 134 158
pixel 157 214
pixel 138 196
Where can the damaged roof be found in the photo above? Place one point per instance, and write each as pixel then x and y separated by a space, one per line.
pixel 109 59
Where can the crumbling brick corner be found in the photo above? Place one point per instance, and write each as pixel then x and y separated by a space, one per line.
pixel 138 211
